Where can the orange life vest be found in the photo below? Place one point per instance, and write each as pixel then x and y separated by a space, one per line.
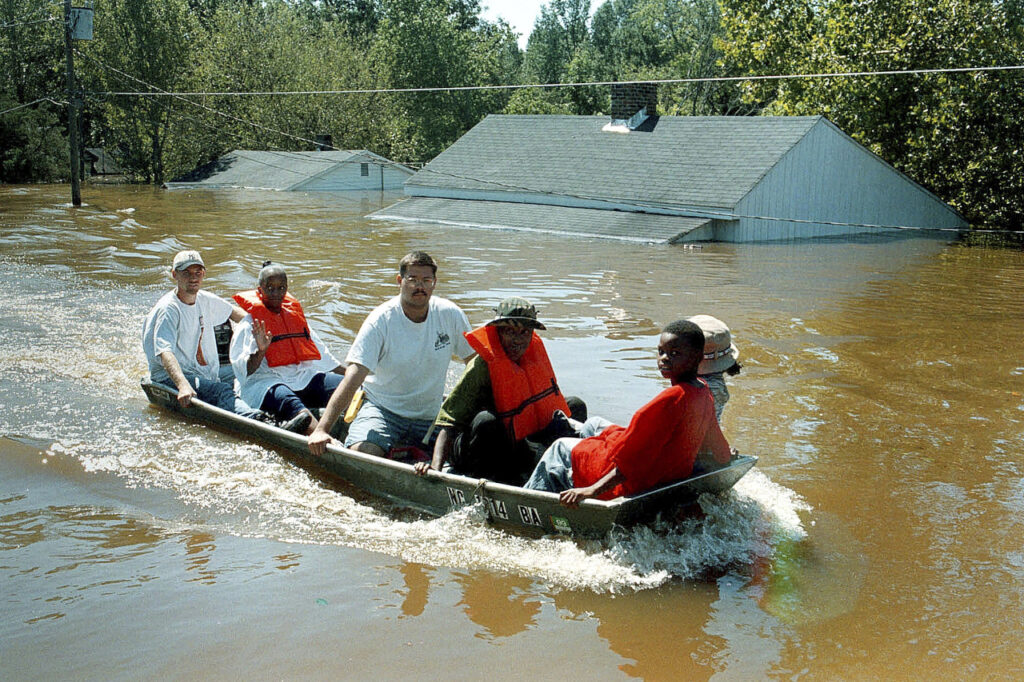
pixel 525 393
pixel 291 343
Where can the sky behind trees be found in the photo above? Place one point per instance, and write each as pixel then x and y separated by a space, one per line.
pixel 520 14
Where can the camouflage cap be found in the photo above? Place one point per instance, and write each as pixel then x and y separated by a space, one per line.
pixel 517 310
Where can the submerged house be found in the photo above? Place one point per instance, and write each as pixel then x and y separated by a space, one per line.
pixel 297 171
pixel 98 162
pixel 669 179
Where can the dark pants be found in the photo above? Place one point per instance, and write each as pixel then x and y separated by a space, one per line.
pixel 284 403
pixel 486 450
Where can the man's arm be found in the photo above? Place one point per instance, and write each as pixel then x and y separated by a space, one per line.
pixel 471 394
pixel 442 450
pixel 173 369
pixel 342 396
pixel 237 314
pixel 573 496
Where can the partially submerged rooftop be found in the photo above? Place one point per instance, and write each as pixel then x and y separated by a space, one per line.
pixel 296 171
pixel 664 179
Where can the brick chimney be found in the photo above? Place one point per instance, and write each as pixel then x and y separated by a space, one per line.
pixel 629 98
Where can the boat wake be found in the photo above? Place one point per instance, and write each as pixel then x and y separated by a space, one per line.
pixel 221 484
pixel 247 490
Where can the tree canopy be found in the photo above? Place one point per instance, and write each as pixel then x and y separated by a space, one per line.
pixel 957 133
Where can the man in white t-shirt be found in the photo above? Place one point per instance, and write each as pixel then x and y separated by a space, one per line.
pixel 400 358
pixel 179 340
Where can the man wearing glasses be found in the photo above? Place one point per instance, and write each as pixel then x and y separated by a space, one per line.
pixel 400 359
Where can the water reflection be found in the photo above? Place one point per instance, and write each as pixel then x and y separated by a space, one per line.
pixel 199 548
pixel 417 583
pixel 652 629
pixel 502 605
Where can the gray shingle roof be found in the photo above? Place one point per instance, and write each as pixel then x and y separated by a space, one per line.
pixel 583 222
pixel 708 161
pixel 264 169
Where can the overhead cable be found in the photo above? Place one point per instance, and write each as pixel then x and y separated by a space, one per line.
pixel 183 98
pixel 662 81
pixel 22 106
pixel 642 207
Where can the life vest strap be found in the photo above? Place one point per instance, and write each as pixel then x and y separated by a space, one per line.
pixel 304 334
pixel 551 390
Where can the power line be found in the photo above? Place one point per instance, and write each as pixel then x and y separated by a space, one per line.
pixel 381 160
pixel 161 92
pixel 643 208
pixel 29 23
pixel 26 20
pixel 663 81
pixel 22 106
pixel 281 153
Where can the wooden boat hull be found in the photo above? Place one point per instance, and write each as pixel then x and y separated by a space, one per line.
pixel 437 492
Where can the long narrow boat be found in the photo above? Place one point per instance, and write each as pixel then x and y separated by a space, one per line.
pixel 437 492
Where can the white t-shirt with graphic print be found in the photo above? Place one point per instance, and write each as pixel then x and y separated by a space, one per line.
pixel 408 361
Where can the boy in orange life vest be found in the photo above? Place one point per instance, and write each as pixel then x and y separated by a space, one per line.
pixel 660 444
pixel 506 394
pixel 279 362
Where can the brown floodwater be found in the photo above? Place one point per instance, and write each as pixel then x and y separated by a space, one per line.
pixel 880 537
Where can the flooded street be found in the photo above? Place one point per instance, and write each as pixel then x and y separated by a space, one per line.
pixel 881 535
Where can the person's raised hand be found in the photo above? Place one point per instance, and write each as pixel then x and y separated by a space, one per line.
pixel 262 336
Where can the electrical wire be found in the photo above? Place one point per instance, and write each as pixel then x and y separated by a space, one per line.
pixel 663 81
pixel 284 154
pixel 29 23
pixel 641 207
pixel 41 99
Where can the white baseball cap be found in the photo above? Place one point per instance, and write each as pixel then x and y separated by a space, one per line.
pixel 187 258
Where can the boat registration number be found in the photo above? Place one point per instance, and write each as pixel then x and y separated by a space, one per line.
pixel 528 515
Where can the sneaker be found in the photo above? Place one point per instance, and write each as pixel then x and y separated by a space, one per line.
pixel 298 423
pixel 560 426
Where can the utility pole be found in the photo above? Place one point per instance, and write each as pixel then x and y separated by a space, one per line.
pixel 73 141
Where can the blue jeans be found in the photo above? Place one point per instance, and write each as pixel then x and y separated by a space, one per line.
pixel 218 393
pixel 284 403
pixel 385 429
pixel 554 470
pixel 719 391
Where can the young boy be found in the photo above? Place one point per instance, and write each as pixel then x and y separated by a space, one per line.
pixel 660 444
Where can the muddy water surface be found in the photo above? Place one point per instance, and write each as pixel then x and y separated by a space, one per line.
pixel 879 537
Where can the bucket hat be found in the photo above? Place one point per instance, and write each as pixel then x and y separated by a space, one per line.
pixel 719 351
pixel 516 309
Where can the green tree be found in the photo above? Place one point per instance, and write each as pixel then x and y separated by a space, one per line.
pixel 139 46
pixel 33 142
pixel 559 31
pixel 958 134
pixel 666 40
pixel 438 44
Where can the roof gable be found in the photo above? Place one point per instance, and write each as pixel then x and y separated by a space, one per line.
pixel 265 169
pixel 709 161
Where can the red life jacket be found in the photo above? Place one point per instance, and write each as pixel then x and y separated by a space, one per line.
pixel 525 393
pixel 291 343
